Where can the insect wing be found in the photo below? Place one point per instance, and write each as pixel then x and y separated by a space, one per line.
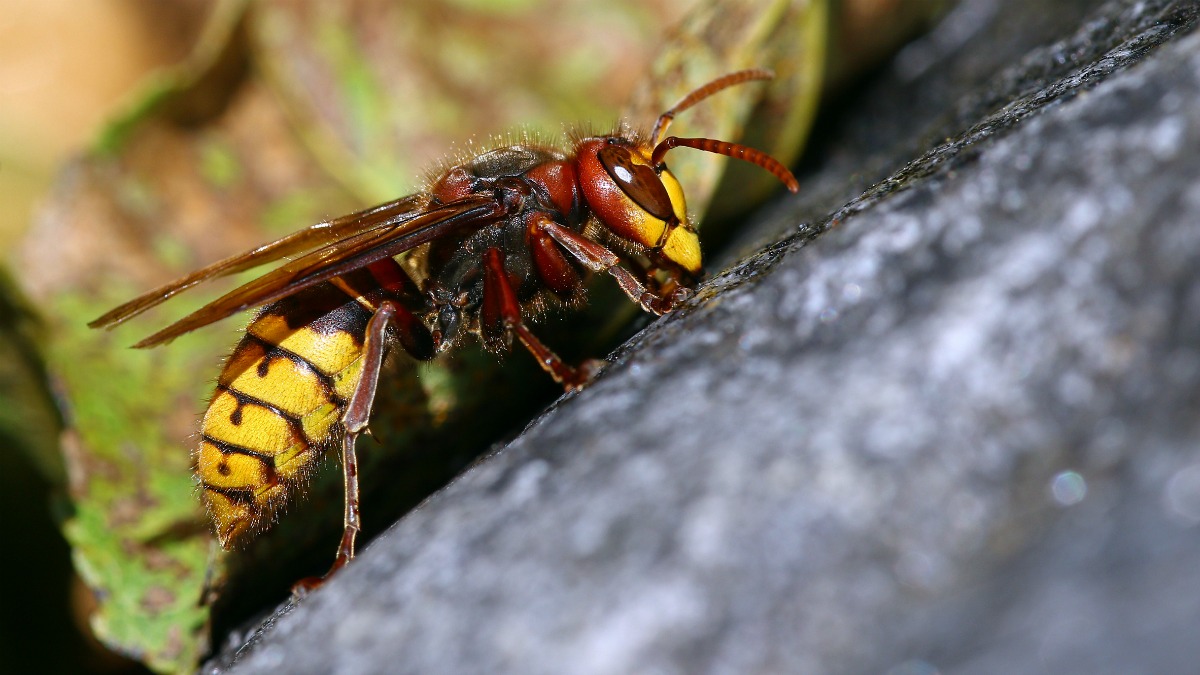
pixel 310 238
pixel 343 256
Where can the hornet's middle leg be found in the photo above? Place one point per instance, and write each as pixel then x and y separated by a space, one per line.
pixel 500 318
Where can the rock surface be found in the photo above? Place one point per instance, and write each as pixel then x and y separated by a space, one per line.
pixel 956 433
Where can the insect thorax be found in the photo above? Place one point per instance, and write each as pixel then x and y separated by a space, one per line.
pixel 512 160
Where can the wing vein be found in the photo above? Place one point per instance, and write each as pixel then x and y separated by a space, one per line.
pixel 314 237
pixel 323 264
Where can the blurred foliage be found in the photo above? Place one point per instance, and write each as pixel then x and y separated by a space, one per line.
pixel 288 112
pixel 29 419
pixel 29 460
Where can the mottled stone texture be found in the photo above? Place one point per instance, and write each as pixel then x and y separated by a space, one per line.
pixel 959 431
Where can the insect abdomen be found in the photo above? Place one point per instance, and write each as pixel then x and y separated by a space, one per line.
pixel 278 407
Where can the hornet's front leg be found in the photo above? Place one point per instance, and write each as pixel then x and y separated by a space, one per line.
pixel 599 259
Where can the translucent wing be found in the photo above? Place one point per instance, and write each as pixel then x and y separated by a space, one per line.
pixel 317 236
pixel 339 258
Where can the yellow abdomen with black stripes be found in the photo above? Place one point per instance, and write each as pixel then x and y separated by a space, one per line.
pixel 278 406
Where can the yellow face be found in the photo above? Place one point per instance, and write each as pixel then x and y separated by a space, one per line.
pixel 676 240
pixel 682 245
pixel 642 204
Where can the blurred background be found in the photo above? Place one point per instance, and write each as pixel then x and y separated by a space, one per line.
pixel 65 68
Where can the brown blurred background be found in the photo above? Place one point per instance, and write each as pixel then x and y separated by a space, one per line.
pixel 65 66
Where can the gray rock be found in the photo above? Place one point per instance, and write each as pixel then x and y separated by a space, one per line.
pixel 958 432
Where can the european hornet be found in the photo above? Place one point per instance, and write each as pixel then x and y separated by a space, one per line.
pixel 494 241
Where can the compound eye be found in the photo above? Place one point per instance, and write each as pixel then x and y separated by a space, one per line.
pixel 638 181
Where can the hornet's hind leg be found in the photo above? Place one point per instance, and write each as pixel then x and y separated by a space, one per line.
pixel 416 340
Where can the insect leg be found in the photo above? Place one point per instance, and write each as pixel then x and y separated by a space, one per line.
pixel 599 259
pixel 501 318
pixel 389 314
pixel 351 521
pixel 549 259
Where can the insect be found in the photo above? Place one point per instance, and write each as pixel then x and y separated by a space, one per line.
pixel 493 242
